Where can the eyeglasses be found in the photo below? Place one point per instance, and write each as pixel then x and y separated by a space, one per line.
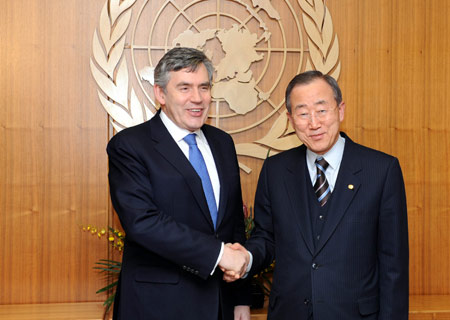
pixel 321 114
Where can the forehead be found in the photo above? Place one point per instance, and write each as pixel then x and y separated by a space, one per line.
pixel 188 75
pixel 312 93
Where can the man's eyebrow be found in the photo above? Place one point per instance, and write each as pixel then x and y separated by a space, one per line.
pixel 320 102
pixel 189 84
pixel 182 84
pixel 317 103
pixel 298 106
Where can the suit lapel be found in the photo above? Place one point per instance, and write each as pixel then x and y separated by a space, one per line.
pixel 169 149
pixel 346 188
pixel 297 192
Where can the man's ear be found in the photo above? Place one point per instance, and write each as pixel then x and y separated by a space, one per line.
pixel 160 95
pixel 341 111
pixel 291 120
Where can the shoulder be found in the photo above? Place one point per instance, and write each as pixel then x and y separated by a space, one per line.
pixel 373 159
pixel 286 157
pixel 214 131
pixel 290 160
pixel 217 135
pixel 132 136
pixel 367 154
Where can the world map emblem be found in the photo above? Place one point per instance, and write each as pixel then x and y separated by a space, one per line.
pixel 256 47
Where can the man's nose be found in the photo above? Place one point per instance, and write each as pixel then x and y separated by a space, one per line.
pixel 196 95
pixel 313 120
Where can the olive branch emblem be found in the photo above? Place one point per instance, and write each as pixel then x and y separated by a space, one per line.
pixel 117 96
pixel 111 71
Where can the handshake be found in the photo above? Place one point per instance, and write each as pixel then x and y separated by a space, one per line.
pixel 234 261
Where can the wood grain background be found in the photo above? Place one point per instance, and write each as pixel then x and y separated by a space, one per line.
pixel 53 166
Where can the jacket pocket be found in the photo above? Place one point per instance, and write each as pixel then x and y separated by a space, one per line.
pixel 157 275
pixel 368 305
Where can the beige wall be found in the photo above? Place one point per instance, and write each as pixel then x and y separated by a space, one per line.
pixel 53 130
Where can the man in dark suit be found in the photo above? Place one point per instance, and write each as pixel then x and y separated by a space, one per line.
pixel 175 186
pixel 337 229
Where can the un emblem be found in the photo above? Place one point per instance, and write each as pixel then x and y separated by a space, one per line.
pixel 256 46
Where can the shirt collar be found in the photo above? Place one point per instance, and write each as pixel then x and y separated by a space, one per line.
pixel 175 131
pixel 333 156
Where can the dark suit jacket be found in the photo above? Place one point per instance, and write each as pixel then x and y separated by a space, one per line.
pixel 171 246
pixel 359 267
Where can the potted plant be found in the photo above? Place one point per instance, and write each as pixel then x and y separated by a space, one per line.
pixel 261 283
pixel 109 268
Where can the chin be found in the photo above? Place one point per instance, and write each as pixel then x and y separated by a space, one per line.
pixel 195 126
pixel 318 150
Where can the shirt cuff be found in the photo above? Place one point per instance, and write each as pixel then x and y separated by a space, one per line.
pixel 218 259
pixel 250 262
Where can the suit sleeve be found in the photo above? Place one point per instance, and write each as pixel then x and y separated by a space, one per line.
pixel 261 243
pixel 240 288
pixel 393 252
pixel 148 226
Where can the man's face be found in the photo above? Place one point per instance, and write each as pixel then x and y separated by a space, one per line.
pixel 315 115
pixel 187 97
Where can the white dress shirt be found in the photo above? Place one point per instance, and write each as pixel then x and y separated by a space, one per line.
pixel 178 135
pixel 333 157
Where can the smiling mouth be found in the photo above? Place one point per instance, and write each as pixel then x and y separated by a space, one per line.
pixel 316 136
pixel 196 111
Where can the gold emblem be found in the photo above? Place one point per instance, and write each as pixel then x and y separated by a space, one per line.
pixel 350 186
pixel 249 42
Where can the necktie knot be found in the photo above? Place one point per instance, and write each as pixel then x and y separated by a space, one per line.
pixel 320 161
pixel 190 139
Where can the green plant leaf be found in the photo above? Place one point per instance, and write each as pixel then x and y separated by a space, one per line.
pixel 109 286
pixel 117 263
pixel 109 301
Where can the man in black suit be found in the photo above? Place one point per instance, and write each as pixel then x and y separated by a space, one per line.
pixel 175 185
pixel 333 215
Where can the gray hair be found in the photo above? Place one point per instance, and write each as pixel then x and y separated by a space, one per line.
pixel 180 58
pixel 308 77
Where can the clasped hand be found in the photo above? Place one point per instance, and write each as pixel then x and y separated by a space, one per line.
pixel 234 261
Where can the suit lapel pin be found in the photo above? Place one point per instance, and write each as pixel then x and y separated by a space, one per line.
pixel 350 186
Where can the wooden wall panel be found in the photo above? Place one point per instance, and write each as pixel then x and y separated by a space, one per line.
pixel 53 137
pixel 395 75
pixel 53 132
pixel 435 109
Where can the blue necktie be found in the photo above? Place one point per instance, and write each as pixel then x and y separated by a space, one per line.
pixel 197 161
pixel 321 187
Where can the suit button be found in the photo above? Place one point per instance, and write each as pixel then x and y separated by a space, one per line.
pixel 306 301
pixel 196 272
pixel 315 266
pixel 184 267
pixel 321 217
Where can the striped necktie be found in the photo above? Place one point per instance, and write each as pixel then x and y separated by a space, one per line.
pixel 197 161
pixel 321 187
